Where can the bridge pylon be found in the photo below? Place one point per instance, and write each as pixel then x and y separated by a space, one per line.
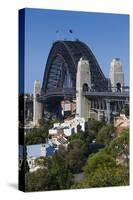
pixel 83 83
pixel 37 106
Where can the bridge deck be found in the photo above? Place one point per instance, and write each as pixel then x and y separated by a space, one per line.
pixel 107 94
pixel 71 93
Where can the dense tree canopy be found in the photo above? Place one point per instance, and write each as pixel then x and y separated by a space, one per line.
pixel 36 136
pixel 53 176
pixel 37 181
pixel 125 110
pixel 76 154
pixel 39 135
pixel 101 170
pixel 119 147
pixel 105 134
pixel 110 166
pixel 92 128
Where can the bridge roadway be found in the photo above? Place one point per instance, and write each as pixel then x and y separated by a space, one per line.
pixel 107 95
pixel 70 93
pixel 59 93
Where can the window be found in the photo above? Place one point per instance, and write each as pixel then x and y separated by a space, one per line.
pixel 85 87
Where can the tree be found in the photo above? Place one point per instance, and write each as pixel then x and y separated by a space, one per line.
pixel 74 136
pixel 105 134
pixel 36 136
pixel 39 135
pixel 119 147
pixel 60 172
pixel 37 181
pixel 101 170
pixel 53 175
pixel 76 155
pixel 80 135
pixel 47 123
pixel 125 110
pixel 92 128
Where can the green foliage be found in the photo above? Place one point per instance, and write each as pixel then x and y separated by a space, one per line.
pixel 125 110
pixel 42 161
pixel 99 159
pixel 105 134
pixel 60 172
pixel 92 128
pixel 37 181
pixel 53 176
pixel 74 136
pixel 36 136
pixel 47 123
pixel 106 177
pixel 101 170
pixel 39 135
pixel 75 158
pixel 119 147
pixel 95 125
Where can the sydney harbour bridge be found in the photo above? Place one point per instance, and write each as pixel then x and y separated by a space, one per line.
pixel 65 79
pixel 61 68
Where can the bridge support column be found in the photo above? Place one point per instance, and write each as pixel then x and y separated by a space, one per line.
pixel 108 111
pixel 37 112
pixel 28 113
pixel 100 115
pixel 37 106
pixel 102 105
pixel 83 83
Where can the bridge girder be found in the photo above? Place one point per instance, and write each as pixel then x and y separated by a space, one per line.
pixel 63 59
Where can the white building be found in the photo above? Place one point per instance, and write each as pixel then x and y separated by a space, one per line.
pixel 78 121
pixel 37 151
pixel 68 127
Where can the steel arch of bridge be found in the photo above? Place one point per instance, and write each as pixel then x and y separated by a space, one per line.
pixel 63 59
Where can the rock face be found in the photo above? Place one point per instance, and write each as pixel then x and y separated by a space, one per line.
pixel 116 75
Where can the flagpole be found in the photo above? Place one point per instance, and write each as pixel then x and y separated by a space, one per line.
pixel 71 32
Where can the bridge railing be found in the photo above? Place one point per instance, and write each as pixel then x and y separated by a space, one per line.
pixel 106 94
pixel 58 92
pixel 60 89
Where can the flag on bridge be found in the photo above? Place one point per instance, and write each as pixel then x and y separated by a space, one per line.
pixel 70 31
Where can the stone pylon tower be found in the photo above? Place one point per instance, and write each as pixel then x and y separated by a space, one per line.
pixel 83 83
pixel 116 75
pixel 37 106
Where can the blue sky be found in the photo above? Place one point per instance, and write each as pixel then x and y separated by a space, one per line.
pixel 106 34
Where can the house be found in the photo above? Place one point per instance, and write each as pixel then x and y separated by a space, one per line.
pixel 68 127
pixel 37 151
pixel 61 131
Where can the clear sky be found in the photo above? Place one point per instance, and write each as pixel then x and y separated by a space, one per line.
pixel 106 34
